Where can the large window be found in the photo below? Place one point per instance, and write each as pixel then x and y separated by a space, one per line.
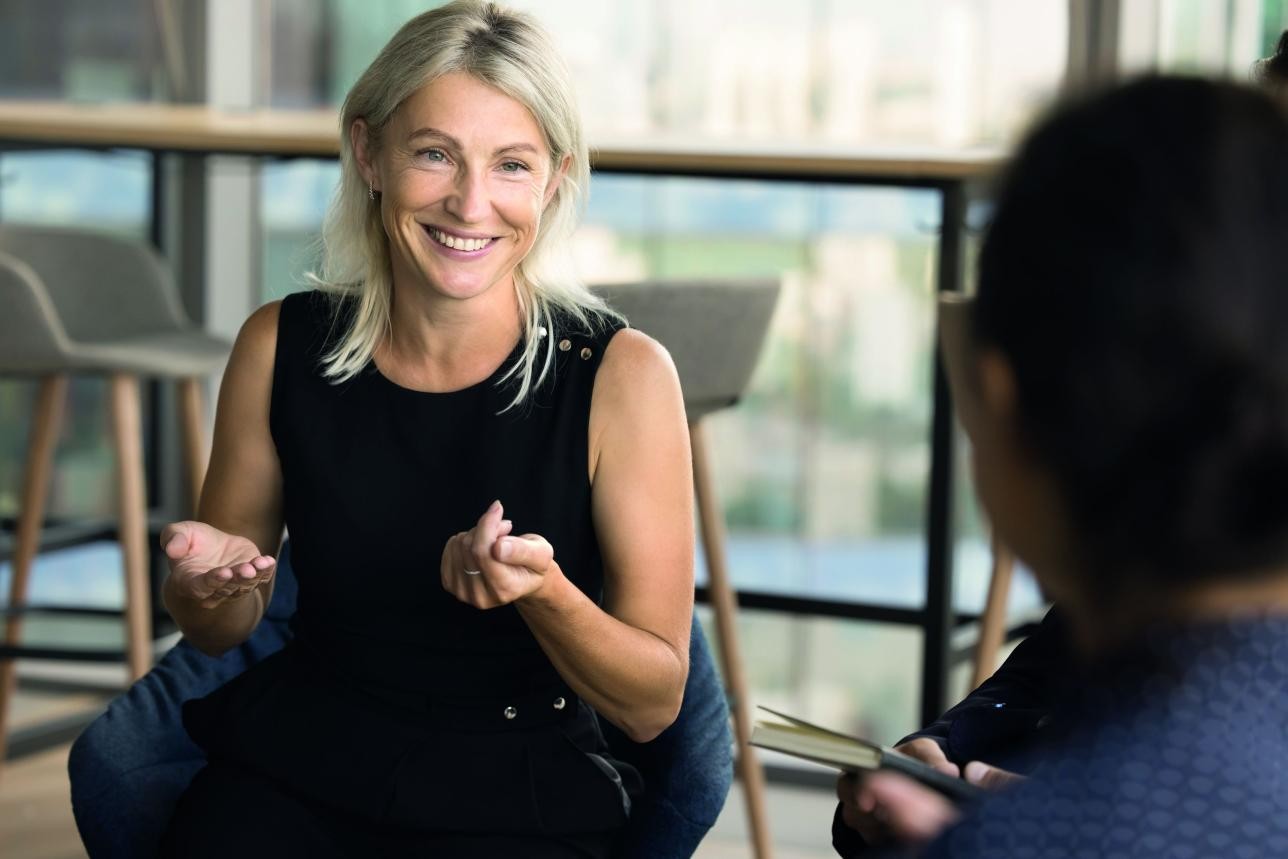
pixel 1213 37
pixel 859 72
pixel 81 50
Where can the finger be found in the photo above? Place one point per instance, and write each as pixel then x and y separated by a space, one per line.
pixel 446 562
pixel 485 530
pixel 212 587
pixel 491 516
pixel 456 559
pixel 857 807
pixel 929 752
pixel 244 572
pixel 464 565
pixel 530 550
pixel 176 539
pixel 479 592
pixel 847 787
pixel 914 812
pixel 990 777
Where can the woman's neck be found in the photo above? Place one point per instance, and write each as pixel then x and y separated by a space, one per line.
pixel 440 343
pixel 1101 626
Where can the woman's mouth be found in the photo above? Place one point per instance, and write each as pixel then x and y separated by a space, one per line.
pixel 458 243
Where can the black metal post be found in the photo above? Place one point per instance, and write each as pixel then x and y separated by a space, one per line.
pixel 939 525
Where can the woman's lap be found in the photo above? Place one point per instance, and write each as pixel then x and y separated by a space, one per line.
pixel 228 811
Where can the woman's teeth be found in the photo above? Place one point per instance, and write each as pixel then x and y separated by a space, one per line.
pixel 458 243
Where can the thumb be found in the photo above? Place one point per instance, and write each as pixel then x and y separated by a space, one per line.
pixel 177 539
pixel 530 550
pixel 990 777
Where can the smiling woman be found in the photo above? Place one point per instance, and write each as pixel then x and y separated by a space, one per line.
pixel 459 207
pixel 474 128
pixel 425 405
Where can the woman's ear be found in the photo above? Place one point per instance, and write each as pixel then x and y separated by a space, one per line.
pixel 556 178
pixel 360 141
pixel 997 392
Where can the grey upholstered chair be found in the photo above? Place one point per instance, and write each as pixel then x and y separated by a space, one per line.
pixel 78 301
pixel 714 331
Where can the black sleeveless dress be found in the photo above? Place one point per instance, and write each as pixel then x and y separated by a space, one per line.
pixel 398 712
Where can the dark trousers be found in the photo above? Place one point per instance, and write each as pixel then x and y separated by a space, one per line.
pixel 227 812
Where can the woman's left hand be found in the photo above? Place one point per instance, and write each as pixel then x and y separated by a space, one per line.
pixel 486 567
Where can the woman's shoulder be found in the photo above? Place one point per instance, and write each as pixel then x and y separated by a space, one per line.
pixel 315 305
pixel 259 332
pixel 636 374
pixel 586 322
pixel 314 319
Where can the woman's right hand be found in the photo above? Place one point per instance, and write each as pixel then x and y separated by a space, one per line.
pixel 886 806
pixel 210 567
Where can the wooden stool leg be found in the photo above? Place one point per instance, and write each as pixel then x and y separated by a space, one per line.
pixel 35 494
pixel 992 623
pixel 127 432
pixel 192 416
pixel 725 604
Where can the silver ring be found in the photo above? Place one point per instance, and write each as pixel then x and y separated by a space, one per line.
pixel 473 572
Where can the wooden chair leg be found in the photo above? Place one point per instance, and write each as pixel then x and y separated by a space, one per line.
pixel 45 427
pixel 192 416
pixel 127 432
pixel 725 604
pixel 992 623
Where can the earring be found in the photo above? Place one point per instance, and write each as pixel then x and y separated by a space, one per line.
pixel 371 192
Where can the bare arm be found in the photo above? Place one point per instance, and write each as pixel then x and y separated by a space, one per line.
pixel 630 659
pixel 221 579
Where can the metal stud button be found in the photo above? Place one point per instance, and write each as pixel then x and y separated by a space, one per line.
pixel 586 353
pixel 510 712
pixel 560 703
pixel 565 344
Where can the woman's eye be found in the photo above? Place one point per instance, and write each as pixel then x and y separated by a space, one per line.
pixel 434 155
pixel 513 167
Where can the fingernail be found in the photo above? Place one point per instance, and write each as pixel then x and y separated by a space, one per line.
pixel 495 505
pixel 506 523
pixel 505 549
pixel 975 772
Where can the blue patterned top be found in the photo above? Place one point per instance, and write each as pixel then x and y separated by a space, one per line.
pixel 1178 748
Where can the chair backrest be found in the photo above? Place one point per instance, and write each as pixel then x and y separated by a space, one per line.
pixel 103 287
pixel 32 340
pixel 714 330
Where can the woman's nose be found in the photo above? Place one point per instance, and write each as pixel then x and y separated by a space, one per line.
pixel 469 200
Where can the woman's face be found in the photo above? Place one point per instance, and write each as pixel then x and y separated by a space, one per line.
pixel 1017 492
pixel 464 175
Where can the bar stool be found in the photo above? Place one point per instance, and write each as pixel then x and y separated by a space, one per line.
pixel 77 301
pixel 955 346
pixel 714 331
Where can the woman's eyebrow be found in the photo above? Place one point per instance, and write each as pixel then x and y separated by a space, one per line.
pixel 456 144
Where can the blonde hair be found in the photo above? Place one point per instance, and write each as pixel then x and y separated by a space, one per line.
pixel 512 53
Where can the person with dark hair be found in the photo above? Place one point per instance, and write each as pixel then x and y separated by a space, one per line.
pixel 1131 341
pixel 1272 72
pixel 1003 722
